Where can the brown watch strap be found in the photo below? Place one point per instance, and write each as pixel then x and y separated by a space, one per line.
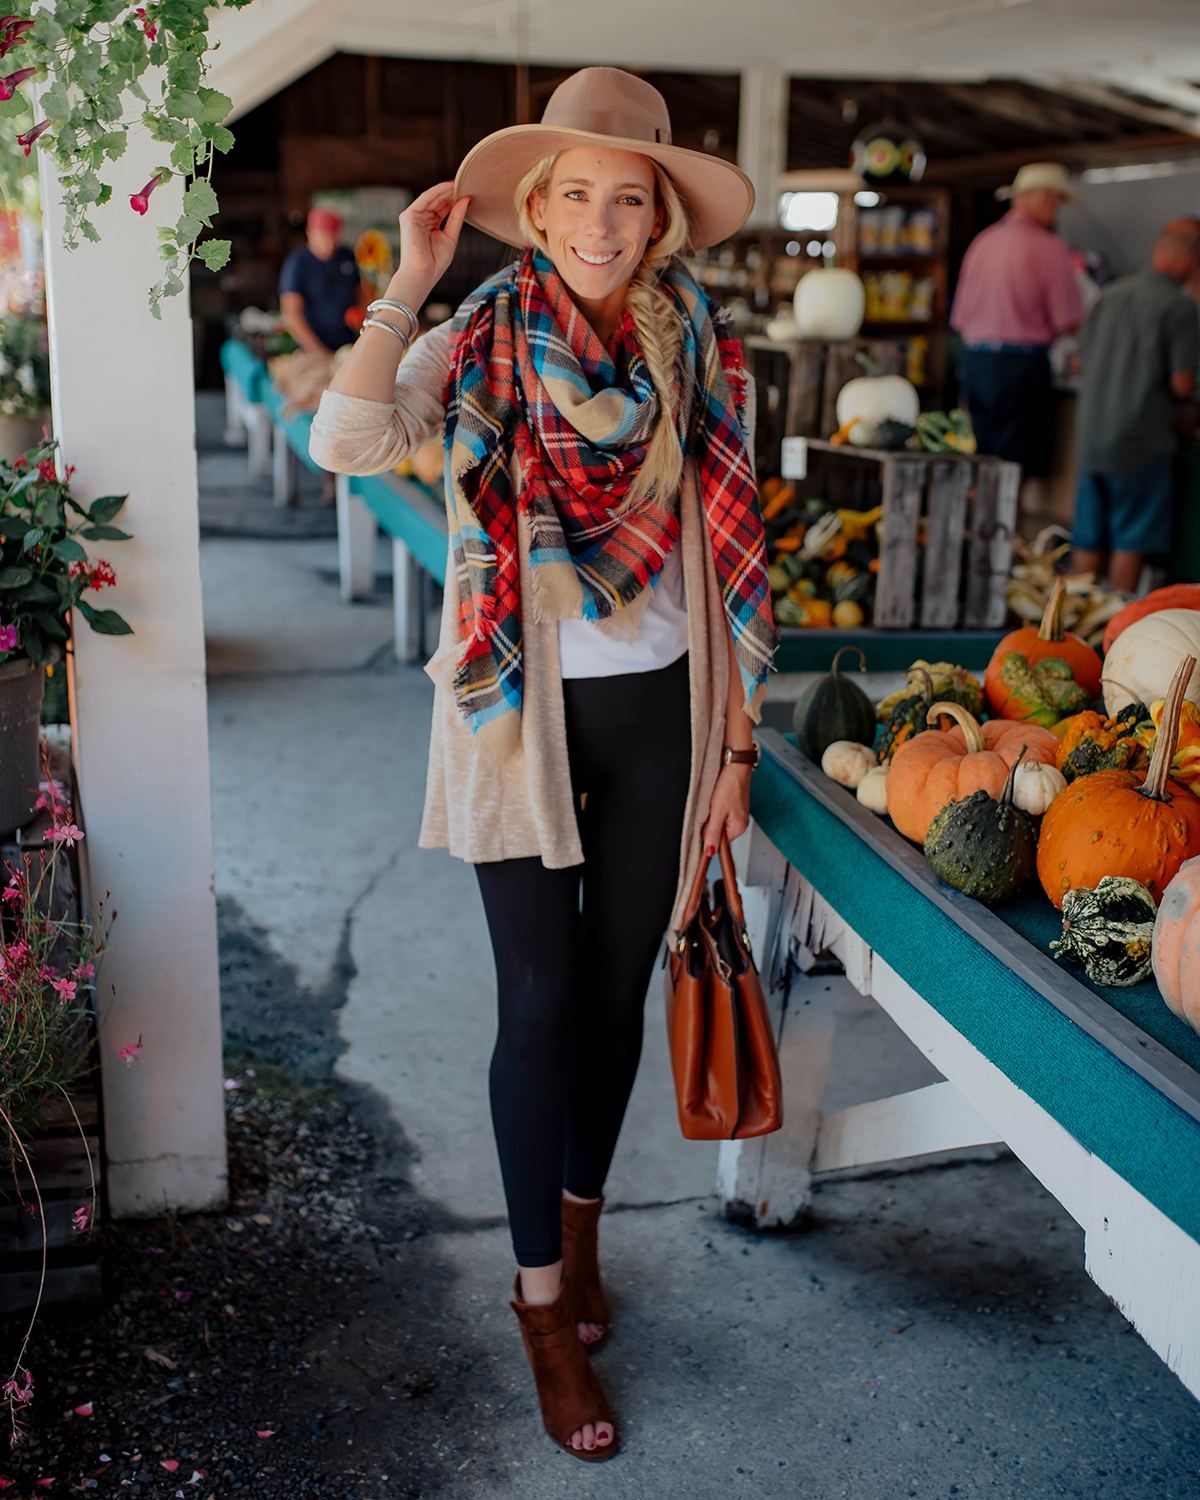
pixel 730 757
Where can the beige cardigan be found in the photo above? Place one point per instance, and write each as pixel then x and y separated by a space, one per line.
pixel 479 809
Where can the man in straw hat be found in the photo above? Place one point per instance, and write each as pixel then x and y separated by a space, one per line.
pixel 1016 293
pixel 606 632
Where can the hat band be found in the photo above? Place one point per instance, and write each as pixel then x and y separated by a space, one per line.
pixel 615 123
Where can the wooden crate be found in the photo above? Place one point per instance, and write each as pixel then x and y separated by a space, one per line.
pixel 797 385
pixel 969 509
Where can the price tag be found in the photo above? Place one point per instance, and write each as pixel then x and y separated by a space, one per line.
pixel 794 462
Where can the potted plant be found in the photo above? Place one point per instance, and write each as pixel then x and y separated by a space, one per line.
pixel 44 575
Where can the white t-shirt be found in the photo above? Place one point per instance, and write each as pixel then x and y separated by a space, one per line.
pixel 662 634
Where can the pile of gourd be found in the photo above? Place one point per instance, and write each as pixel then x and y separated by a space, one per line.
pixel 1101 804
pixel 823 560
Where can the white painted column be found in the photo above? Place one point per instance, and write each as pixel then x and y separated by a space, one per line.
pixel 762 140
pixel 124 411
pixel 357 529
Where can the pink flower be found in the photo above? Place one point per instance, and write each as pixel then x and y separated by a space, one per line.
pixel 66 833
pixel 150 29
pixel 140 202
pixel 127 1054
pixel 65 987
pixel 81 1221
pixel 264 1432
pixel 8 637
pixel 170 1464
pixel 8 86
pixel 12 891
pixel 30 136
pixel 19 1395
pixel 84 971
pixel 6 1484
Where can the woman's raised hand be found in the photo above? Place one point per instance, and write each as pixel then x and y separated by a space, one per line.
pixel 426 247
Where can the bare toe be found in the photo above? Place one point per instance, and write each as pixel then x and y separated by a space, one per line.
pixel 590 1333
pixel 604 1434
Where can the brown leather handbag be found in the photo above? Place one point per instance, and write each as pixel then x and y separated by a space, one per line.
pixel 722 1045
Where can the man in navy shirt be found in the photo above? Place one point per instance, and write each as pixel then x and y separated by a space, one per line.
pixel 318 285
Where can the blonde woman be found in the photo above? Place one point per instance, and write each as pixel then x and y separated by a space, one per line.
pixel 606 632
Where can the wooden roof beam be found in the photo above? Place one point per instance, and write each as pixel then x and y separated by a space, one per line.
pixel 998 165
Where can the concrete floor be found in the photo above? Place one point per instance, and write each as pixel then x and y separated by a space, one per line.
pixel 928 1334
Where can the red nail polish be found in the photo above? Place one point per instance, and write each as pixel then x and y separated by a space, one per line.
pixel 710 850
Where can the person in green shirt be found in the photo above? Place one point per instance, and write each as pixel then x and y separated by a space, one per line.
pixel 1140 349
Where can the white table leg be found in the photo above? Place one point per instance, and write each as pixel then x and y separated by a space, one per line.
pixel 235 431
pixel 356 543
pixel 284 468
pixel 407 603
pixel 258 433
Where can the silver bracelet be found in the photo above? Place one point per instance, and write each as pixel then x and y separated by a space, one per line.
pixel 379 323
pixel 399 307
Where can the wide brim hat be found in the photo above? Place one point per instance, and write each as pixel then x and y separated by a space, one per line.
pixel 611 108
pixel 1041 174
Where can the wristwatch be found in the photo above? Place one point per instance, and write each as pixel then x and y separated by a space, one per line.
pixel 751 757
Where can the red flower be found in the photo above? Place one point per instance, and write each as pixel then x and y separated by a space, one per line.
pixel 140 202
pixel 148 27
pixel 30 136
pixel 20 464
pixel 47 470
pixel 99 574
pixel 13 31
pixel 8 86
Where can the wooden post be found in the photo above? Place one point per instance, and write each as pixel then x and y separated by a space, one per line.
pixel 989 558
pixel 762 140
pixel 945 519
pixel 124 410
pixel 903 487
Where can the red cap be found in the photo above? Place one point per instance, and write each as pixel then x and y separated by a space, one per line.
pixel 324 218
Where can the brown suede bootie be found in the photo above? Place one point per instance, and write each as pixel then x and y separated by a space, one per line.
pixel 568 1392
pixel 580 1228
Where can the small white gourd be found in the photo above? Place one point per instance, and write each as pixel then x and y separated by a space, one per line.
pixel 878 398
pixel 1035 787
pixel 829 303
pixel 847 762
pixel 872 790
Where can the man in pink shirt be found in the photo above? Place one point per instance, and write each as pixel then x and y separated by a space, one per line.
pixel 1016 293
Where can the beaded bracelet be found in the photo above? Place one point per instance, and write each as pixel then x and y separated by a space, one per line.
pixel 379 323
pixel 397 307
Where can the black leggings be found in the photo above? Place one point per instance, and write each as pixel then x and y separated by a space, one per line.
pixel 572 976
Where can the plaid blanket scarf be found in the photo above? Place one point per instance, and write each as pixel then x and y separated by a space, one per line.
pixel 529 376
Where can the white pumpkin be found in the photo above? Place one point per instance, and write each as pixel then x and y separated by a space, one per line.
pixel 1035 787
pixel 829 304
pixel 847 762
pixel 878 398
pixel 1144 657
pixel 871 791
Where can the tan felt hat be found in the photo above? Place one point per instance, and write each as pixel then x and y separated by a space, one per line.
pixel 601 106
pixel 1041 174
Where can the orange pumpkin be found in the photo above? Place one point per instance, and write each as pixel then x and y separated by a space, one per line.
pixel 1174 596
pixel 1113 823
pixel 1049 639
pixel 1175 948
pixel 937 767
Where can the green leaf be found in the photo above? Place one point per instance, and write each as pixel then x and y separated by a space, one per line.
pixel 183 157
pixel 200 202
pixel 46 30
pixel 14 578
pixel 168 251
pixel 104 534
pixel 187 229
pixel 104 621
pixel 182 105
pixel 32 537
pixel 54 102
pixel 221 138
pixel 89 231
pixel 105 508
pixel 214 253
pixel 17 105
pixel 13 529
pixel 51 625
pixel 214 106
pixel 69 550
pixel 105 194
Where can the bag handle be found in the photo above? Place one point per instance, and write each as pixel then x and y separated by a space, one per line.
pixel 732 895
pixel 697 895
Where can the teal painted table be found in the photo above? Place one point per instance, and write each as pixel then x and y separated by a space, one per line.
pixel 1097 1091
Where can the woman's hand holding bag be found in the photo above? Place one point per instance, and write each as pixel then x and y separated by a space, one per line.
pixel 723 1053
